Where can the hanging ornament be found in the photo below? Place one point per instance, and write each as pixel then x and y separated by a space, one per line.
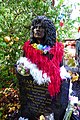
pixel 53 2
pixel 61 23
pixel 79 29
pixel 78 34
pixel 61 16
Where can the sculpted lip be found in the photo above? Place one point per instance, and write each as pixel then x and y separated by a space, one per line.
pixel 38 33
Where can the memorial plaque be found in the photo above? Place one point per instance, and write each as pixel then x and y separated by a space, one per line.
pixel 35 99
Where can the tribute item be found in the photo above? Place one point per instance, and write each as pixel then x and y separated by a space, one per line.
pixel 39 73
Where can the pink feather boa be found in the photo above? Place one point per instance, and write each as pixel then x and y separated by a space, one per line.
pixel 51 67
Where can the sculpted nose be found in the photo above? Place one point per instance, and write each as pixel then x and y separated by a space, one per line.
pixel 37 28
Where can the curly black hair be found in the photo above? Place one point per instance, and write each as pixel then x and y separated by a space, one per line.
pixel 50 31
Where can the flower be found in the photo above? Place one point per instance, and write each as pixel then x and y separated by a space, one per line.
pixel 21 118
pixel 44 48
pixel 73 108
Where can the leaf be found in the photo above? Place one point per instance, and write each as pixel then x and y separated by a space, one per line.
pixel 1 113
pixel 3 44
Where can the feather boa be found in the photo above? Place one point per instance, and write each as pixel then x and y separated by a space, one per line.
pixel 37 75
pixel 50 67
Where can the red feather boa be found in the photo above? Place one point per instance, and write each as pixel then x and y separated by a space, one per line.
pixel 51 67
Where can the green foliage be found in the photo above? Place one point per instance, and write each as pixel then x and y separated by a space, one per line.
pixel 15 21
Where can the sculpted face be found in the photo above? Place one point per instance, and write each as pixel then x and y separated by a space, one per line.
pixel 38 31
